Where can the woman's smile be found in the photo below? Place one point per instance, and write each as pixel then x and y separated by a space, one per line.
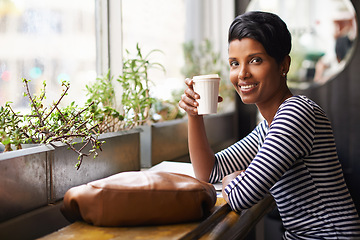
pixel 247 87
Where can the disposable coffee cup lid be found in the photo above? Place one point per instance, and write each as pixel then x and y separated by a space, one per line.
pixel 209 76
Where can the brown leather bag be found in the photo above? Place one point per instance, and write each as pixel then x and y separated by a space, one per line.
pixel 140 198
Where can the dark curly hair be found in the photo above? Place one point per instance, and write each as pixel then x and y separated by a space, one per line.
pixel 267 28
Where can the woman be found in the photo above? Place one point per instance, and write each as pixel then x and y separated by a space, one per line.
pixel 291 154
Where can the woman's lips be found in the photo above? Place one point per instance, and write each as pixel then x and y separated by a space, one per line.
pixel 247 87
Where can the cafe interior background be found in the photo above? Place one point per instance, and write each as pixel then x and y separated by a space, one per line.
pixel 80 40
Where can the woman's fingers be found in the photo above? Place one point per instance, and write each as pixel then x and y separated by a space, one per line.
pixel 189 92
pixel 188 104
pixel 189 82
pixel 188 99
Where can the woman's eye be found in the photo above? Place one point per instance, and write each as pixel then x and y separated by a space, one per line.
pixel 234 64
pixel 256 60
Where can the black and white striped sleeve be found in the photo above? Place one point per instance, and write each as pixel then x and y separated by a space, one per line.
pixel 236 157
pixel 290 138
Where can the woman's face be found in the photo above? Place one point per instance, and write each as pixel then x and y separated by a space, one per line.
pixel 256 76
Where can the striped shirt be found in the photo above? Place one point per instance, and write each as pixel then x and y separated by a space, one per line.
pixel 295 160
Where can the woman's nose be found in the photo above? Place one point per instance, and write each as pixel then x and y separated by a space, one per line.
pixel 243 74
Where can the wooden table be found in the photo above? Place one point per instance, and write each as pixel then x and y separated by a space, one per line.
pixel 84 231
pixel 222 224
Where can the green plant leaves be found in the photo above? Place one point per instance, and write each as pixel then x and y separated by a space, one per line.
pixel 48 124
pixel 136 99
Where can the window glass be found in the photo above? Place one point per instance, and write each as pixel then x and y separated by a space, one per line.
pixel 46 40
pixel 157 24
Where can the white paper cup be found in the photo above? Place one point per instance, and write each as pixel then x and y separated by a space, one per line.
pixel 207 86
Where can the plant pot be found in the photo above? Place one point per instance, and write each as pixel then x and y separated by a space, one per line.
pixel 34 177
pixel 121 152
pixel 169 140
pixel 23 180
pixel 145 146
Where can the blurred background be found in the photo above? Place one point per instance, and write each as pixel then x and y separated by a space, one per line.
pixel 78 41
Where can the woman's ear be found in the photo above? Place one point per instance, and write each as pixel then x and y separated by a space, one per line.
pixel 285 65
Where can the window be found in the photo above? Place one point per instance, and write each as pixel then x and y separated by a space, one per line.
pixel 157 24
pixel 46 40
pixel 78 40
pixel 167 25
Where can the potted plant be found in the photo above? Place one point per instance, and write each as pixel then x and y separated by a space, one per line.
pixel 136 102
pixel 42 174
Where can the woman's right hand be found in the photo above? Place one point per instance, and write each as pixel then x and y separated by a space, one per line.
pixel 188 99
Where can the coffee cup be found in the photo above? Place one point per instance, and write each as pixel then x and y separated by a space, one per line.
pixel 207 86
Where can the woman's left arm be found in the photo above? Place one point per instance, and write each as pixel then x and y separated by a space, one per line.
pixel 290 138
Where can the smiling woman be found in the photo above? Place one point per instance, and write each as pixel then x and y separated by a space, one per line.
pixel 291 154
